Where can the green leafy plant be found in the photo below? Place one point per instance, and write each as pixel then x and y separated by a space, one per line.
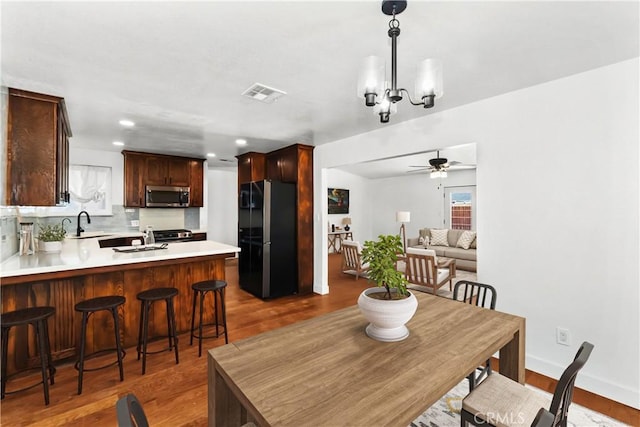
pixel 382 256
pixel 51 233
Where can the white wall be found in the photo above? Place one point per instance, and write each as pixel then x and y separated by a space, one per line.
pixel 415 193
pixel 222 205
pixel 360 203
pixel 558 195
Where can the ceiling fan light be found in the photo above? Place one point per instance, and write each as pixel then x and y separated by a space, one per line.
pixel 371 79
pixel 429 81
pixel 438 174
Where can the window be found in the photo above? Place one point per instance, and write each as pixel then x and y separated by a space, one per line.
pixel 460 208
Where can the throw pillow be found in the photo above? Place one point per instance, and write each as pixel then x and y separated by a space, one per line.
pixel 465 239
pixel 439 237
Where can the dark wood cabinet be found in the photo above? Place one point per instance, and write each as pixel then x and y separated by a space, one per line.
pixel 142 169
pixel 134 173
pixel 251 167
pixel 282 165
pixel 163 170
pixel 37 150
pixel 196 183
pixel 290 164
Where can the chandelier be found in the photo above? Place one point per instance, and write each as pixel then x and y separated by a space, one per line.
pixel 376 90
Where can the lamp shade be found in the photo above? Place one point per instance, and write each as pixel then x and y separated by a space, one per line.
pixel 372 76
pixel 346 221
pixel 403 216
pixel 429 79
pixel 438 174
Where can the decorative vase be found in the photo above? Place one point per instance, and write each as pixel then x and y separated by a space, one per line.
pixel 50 246
pixel 387 317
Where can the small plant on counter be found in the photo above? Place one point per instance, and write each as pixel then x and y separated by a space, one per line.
pixel 51 233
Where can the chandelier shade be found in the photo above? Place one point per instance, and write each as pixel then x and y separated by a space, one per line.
pixel 429 80
pixel 371 79
pixel 382 94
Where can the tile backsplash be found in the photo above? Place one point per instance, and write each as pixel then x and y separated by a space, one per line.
pixel 121 220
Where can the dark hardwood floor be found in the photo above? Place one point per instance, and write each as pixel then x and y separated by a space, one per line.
pixel 176 395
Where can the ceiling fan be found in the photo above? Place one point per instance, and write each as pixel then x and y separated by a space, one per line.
pixel 438 166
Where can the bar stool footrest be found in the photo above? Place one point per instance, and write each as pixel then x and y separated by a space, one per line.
pixel 218 335
pixel 160 338
pixel 38 368
pixel 96 354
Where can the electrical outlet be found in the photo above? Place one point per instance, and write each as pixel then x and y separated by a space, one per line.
pixel 563 336
pixel 135 223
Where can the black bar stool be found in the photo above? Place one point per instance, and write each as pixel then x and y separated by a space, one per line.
pixel 87 308
pixel 147 298
pixel 217 287
pixel 37 317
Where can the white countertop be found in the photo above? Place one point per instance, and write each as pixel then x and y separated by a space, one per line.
pixel 86 253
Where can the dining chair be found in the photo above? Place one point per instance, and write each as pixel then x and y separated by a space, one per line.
pixel 480 295
pixel 422 268
pixel 130 412
pixel 500 401
pixel 352 259
pixel 544 418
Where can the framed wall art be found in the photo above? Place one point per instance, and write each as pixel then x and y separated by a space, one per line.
pixel 338 201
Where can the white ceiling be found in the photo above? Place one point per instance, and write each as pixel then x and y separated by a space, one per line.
pixel 178 68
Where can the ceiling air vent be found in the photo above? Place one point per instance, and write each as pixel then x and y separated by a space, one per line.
pixel 263 93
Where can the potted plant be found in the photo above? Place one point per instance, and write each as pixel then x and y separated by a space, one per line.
pixel 50 237
pixel 390 305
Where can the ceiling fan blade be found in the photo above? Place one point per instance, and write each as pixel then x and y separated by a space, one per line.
pixel 418 170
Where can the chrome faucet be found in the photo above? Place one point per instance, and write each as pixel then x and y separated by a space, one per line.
pixel 63 220
pixel 80 229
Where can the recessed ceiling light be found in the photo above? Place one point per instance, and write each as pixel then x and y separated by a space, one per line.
pixel 241 141
pixel 211 154
pixel 118 143
pixel 127 123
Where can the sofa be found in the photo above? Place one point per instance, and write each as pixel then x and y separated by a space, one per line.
pixel 462 250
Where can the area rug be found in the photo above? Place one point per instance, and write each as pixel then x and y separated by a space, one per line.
pixel 446 412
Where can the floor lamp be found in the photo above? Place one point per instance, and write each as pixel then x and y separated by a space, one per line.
pixel 403 217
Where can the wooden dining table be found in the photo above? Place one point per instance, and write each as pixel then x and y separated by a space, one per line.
pixel 327 372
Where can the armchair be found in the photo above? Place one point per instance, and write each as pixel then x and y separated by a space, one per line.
pixel 424 269
pixel 351 258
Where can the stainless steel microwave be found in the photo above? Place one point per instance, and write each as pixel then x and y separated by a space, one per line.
pixel 162 196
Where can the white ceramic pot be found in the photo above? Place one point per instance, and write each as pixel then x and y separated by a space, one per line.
pixel 387 317
pixel 50 246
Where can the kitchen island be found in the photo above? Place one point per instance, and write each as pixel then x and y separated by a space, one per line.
pixel 83 270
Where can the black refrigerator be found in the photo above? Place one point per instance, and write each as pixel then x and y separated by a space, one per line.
pixel 267 266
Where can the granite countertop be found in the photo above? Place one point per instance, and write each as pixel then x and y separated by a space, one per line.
pixel 86 253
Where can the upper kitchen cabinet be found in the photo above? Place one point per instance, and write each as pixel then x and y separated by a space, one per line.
pixel 38 134
pixel 282 165
pixel 142 169
pixel 167 170
pixel 196 170
pixel 251 167
pixel 134 173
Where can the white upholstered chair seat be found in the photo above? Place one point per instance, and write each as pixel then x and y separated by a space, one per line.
pixel 504 402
